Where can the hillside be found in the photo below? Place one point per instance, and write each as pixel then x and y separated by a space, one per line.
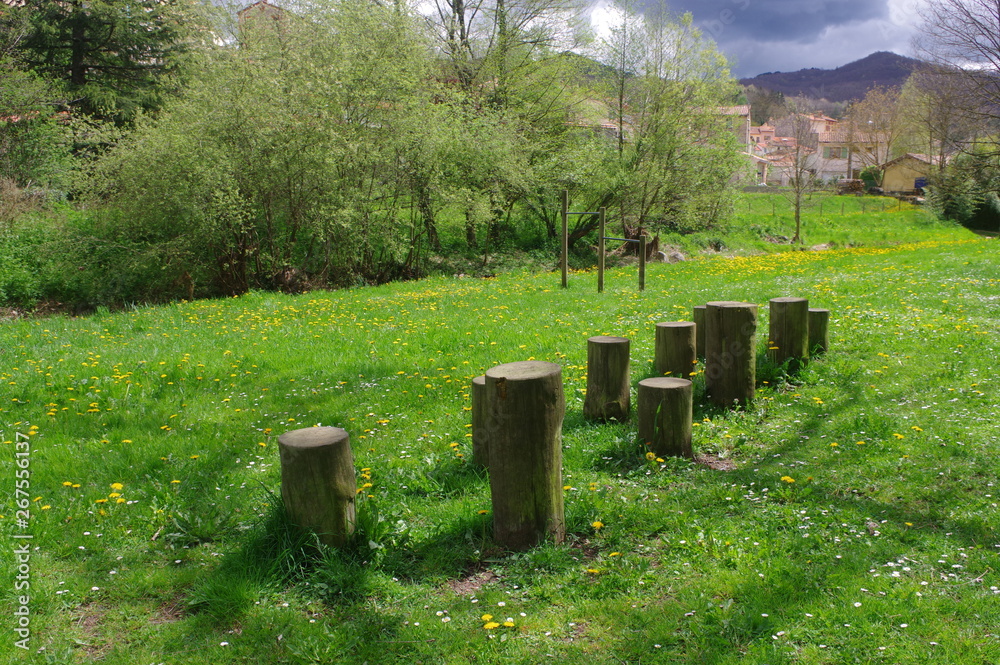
pixel 845 83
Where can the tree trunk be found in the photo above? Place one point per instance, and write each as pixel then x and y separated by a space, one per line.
pixel 819 323
pixel 607 379
pixel 317 481
pixel 665 414
pixel 788 339
pixel 699 329
pixel 730 352
pixel 480 444
pixel 675 348
pixel 526 405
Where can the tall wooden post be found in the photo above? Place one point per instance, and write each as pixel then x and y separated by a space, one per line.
pixel 526 405
pixel 564 252
pixel 600 250
pixel 608 382
pixel 698 313
pixel 819 322
pixel 642 262
pixel 317 481
pixel 665 414
pixel 480 445
pixel 788 337
pixel 730 352
pixel 674 349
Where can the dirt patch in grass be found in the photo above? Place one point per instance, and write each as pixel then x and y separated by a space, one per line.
pixel 716 463
pixel 470 583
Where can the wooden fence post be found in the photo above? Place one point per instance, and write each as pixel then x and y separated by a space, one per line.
pixel 675 350
pixel 608 382
pixel 698 314
pixel 526 406
pixel 564 249
pixel 819 322
pixel 665 414
pixel 601 219
pixel 480 444
pixel 317 481
pixel 642 262
pixel 788 338
pixel 730 352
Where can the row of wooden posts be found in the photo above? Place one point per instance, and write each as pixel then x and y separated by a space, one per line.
pixel 518 410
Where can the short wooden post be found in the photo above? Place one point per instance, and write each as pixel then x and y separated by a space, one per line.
pixel 730 352
pixel 564 245
pixel 699 329
pixel 480 446
pixel 642 262
pixel 317 481
pixel 819 323
pixel 675 348
pixel 665 414
pixel 526 405
pixel 601 219
pixel 788 337
pixel 607 379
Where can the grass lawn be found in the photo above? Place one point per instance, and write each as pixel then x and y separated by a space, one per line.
pixel 850 514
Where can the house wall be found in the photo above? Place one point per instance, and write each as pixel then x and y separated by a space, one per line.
pixel 900 177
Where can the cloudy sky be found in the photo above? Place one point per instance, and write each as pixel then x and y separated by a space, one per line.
pixel 786 35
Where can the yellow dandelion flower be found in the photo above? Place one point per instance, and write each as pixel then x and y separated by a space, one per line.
pixel 490 625
pixel 597 525
pixel 787 479
pixel 486 617
pixel 509 624
pixel 116 486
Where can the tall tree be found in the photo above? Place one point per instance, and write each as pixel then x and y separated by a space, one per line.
pixel 964 37
pixel 874 127
pixel 933 104
pixel 113 58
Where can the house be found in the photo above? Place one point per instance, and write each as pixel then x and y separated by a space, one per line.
pixel 842 154
pixel 908 173
pixel 257 13
pixel 740 121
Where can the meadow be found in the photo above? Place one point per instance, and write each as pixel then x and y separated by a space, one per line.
pixel 849 515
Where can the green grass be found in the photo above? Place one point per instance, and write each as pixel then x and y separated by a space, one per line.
pixel 883 549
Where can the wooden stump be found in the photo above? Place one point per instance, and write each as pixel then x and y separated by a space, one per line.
pixel 480 445
pixel 526 404
pixel 819 323
pixel 317 481
pixel 676 348
pixel 607 379
pixel 665 413
pixel 788 339
pixel 699 328
pixel 730 352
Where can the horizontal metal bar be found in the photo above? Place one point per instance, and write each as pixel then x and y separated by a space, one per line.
pixel 582 213
pixel 620 239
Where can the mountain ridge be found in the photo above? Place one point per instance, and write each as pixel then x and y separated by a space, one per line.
pixel 844 83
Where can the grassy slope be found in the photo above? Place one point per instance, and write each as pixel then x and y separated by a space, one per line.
pixel 883 549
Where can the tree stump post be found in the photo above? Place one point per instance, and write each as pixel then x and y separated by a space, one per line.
pixel 819 324
pixel 788 337
pixel 730 352
pixel 675 351
pixel 480 445
pixel 608 382
pixel 699 329
pixel 526 405
pixel 665 414
pixel 317 481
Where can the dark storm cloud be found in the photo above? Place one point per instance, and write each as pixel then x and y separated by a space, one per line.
pixel 786 35
pixel 777 20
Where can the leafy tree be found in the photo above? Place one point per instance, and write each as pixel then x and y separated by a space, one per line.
pixel 676 152
pixel 285 162
pixel 114 59
pixel 875 127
